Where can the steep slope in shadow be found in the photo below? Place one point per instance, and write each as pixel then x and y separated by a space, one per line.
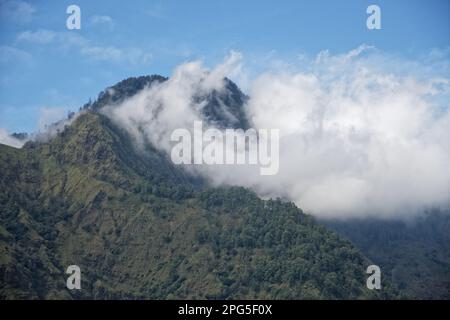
pixel 414 255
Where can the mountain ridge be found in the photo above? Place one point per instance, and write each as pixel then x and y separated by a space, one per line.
pixel 139 228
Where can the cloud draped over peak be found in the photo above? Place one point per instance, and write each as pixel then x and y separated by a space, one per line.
pixel 156 111
pixel 362 133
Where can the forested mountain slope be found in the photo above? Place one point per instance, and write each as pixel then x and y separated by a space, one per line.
pixel 414 255
pixel 139 227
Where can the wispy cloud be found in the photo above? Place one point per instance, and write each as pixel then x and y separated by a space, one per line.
pixel 50 115
pixel 37 37
pixel 17 11
pixel 102 20
pixel 132 56
pixel 6 138
pixel 11 54
pixel 70 40
pixel 102 53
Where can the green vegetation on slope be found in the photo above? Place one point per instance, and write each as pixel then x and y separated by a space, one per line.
pixel 139 228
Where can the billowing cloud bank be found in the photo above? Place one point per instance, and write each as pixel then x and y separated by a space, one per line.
pixel 362 134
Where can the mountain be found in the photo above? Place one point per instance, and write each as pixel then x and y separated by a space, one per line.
pixel 414 254
pixel 141 228
pixel 223 109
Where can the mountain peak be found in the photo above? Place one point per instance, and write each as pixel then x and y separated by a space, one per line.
pixel 125 89
pixel 222 108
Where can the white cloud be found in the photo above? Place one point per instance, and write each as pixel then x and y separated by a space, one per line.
pixel 133 56
pixel 356 138
pixel 69 41
pixel 51 121
pixel 48 116
pixel 160 109
pixel 102 53
pixel 102 20
pixel 362 133
pixel 38 37
pixel 6 138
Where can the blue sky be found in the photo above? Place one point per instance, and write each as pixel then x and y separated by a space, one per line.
pixel 47 69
